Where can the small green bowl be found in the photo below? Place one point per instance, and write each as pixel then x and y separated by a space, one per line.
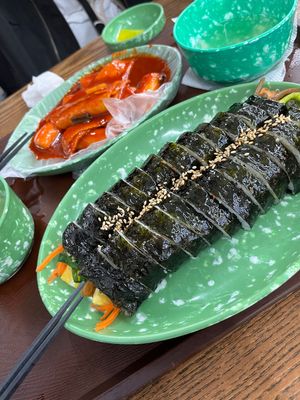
pixel 148 17
pixel 234 40
pixel 16 232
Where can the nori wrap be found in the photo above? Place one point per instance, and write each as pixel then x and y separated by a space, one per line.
pixel 247 181
pixel 160 171
pixel 77 242
pixel 91 219
pixel 266 170
pixel 256 115
pixel 164 224
pixel 289 135
pixel 195 142
pixel 124 292
pixel 271 107
pixel 293 112
pixel 231 197
pixel 130 195
pixel 110 204
pixel 197 197
pixel 232 124
pixel 216 135
pixel 135 264
pixel 183 212
pixel 142 181
pixel 283 157
pixel 164 251
pixel 180 157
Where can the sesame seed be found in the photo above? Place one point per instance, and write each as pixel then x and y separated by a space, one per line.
pixel 245 137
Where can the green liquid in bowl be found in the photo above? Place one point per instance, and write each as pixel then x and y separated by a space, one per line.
pixel 232 30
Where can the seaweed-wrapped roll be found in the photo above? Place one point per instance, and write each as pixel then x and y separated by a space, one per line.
pixel 160 171
pixel 160 248
pixel 232 124
pixel 180 157
pixel 198 198
pixel 196 143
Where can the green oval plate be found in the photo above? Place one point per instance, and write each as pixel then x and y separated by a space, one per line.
pixel 224 280
pixel 25 163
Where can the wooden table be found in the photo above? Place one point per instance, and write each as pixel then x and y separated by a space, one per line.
pixel 260 359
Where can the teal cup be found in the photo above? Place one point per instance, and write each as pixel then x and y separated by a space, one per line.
pixel 235 40
pixel 16 232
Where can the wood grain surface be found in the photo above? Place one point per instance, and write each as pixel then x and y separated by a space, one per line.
pixel 258 360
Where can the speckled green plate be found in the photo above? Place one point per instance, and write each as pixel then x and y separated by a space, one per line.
pixel 25 164
pixel 224 280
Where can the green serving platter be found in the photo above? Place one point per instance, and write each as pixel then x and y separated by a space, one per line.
pixel 224 280
pixel 25 164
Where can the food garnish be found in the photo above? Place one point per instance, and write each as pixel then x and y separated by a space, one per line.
pixel 59 249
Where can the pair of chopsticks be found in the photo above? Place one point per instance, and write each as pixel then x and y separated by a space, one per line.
pixel 33 353
pixel 12 150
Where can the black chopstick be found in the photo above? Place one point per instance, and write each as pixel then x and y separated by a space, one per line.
pixel 34 352
pixel 12 150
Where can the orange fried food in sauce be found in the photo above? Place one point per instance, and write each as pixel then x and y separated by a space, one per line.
pixel 80 118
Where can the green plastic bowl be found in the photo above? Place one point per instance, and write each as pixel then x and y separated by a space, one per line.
pixel 16 232
pixel 148 17
pixel 234 40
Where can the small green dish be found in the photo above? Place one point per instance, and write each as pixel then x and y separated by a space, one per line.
pixel 235 40
pixel 16 232
pixel 147 17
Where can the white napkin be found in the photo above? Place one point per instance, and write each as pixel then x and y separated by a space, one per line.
pixel 40 87
pixel 191 79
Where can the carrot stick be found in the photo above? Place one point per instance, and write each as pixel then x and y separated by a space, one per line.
pixel 106 314
pixel 110 313
pixel 285 92
pixel 108 321
pixel 58 271
pixel 259 86
pixel 50 257
pixel 105 308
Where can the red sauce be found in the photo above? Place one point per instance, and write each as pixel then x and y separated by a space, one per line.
pixel 80 118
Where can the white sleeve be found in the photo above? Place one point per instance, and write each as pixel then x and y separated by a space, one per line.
pixel 78 21
pixel 105 9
